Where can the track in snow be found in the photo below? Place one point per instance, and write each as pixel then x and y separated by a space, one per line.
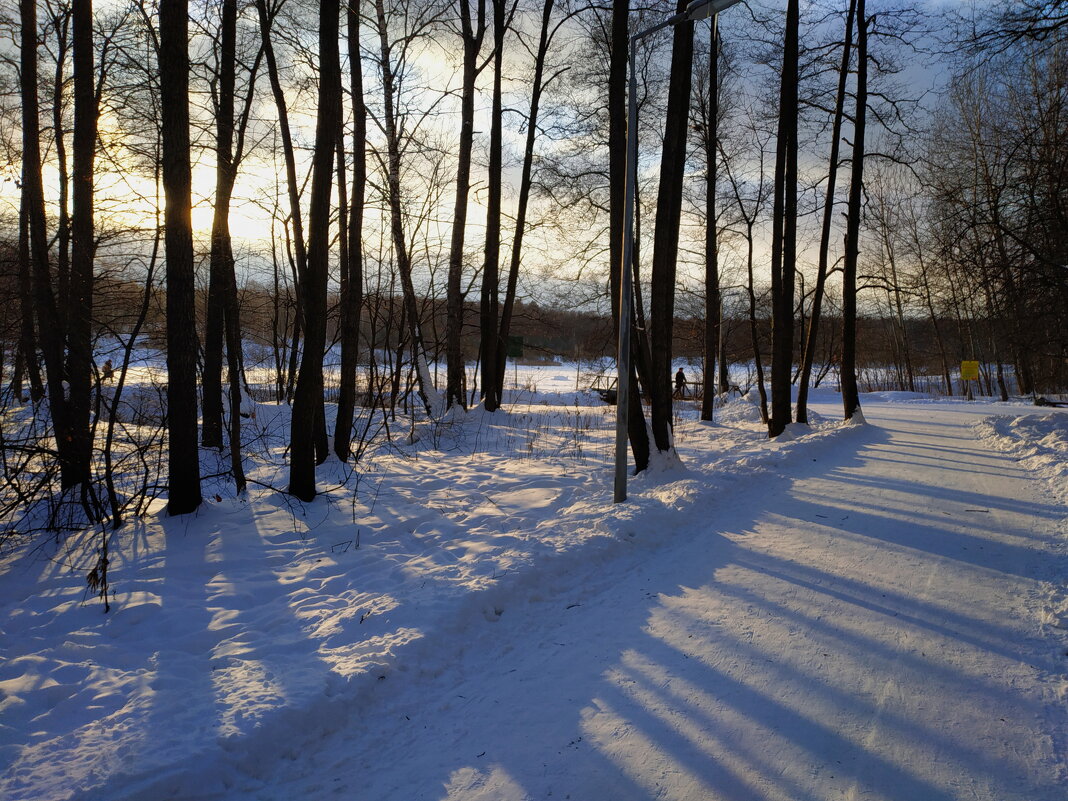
pixel 867 628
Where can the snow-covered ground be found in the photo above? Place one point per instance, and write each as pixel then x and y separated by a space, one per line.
pixel 869 611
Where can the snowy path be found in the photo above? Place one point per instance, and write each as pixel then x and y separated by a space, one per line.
pixel 868 628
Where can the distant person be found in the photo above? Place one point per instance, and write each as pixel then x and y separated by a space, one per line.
pixel 680 384
pixel 107 371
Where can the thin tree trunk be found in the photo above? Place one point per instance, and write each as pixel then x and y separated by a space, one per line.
pixel 784 242
pixel 50 326
pixel 211 381
pixel 27 331
pixel 828 219
pixel 184 458
pixel 287 139
pixel 619 55
pixel 758 358
pixel 713 298
pixel 62 19
pixel 850 394
pixel 537 88
pixel 454 363
pixel 426 389
pixel 352 267
pixel 489 306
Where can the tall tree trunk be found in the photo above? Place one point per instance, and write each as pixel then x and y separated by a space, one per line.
pixel 472 34
pixel 850 394
pixel 666 234
pixel 352 286
pixel 428 395
pixel 80 309
pixel 50 325
pixel 184 457
pixel 637 430
pixel 828 219
pixel 489 306
pixel 713 298
pixel 221 249
pixel 536 90
pixel 308 398
pixel 784 242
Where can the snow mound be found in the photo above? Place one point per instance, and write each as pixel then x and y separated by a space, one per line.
pixel 1040 442
pixel 745 409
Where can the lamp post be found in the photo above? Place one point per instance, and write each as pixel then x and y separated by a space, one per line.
pixel 697 9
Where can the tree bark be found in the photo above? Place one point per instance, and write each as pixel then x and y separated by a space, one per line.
pixel 713 298
pixel 308 397
pixel 489 307
pixel 27 330
pixel 221 248
pixel 850 394
pixel 536 90
pixel 666 234
pixel 183 454
pixel 80 309
pixel 425 385
pixel 784 234
pixel 828 219
pixel 472 34
pixel 352 287
pixel 50 325
pixel 619 55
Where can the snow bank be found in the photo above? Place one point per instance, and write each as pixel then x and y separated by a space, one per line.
pixel 1038 441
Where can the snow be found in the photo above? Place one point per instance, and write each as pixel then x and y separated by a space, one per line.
pixel 863 611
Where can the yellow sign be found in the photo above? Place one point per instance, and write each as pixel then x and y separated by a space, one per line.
pixel 969 371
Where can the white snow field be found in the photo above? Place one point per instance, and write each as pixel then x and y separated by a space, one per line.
pixel 873 611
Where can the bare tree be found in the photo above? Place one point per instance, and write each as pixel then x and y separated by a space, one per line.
pixel 823 265
pixel 352 265
pixel 308 398
pixel 472 32
pixel 184 458
pixel 850 395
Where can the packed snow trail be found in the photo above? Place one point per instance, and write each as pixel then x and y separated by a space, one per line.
pixel 869 627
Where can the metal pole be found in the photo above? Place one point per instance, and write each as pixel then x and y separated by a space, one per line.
pixel 626 288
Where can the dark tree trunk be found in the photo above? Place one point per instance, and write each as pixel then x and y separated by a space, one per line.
pixel 666 235
pixel 396 215
pixel 27 331
pixel 784 234
pixel 828 218
pixel 352 286
pixel 472 34
pixel 637 430
pixel 221 248
pixel 537 88
pixel 850 395
pixel 489 307
pixel 50 325
pixel 80 308
pixel 184 458
pixel 308 398
pixel 713 299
